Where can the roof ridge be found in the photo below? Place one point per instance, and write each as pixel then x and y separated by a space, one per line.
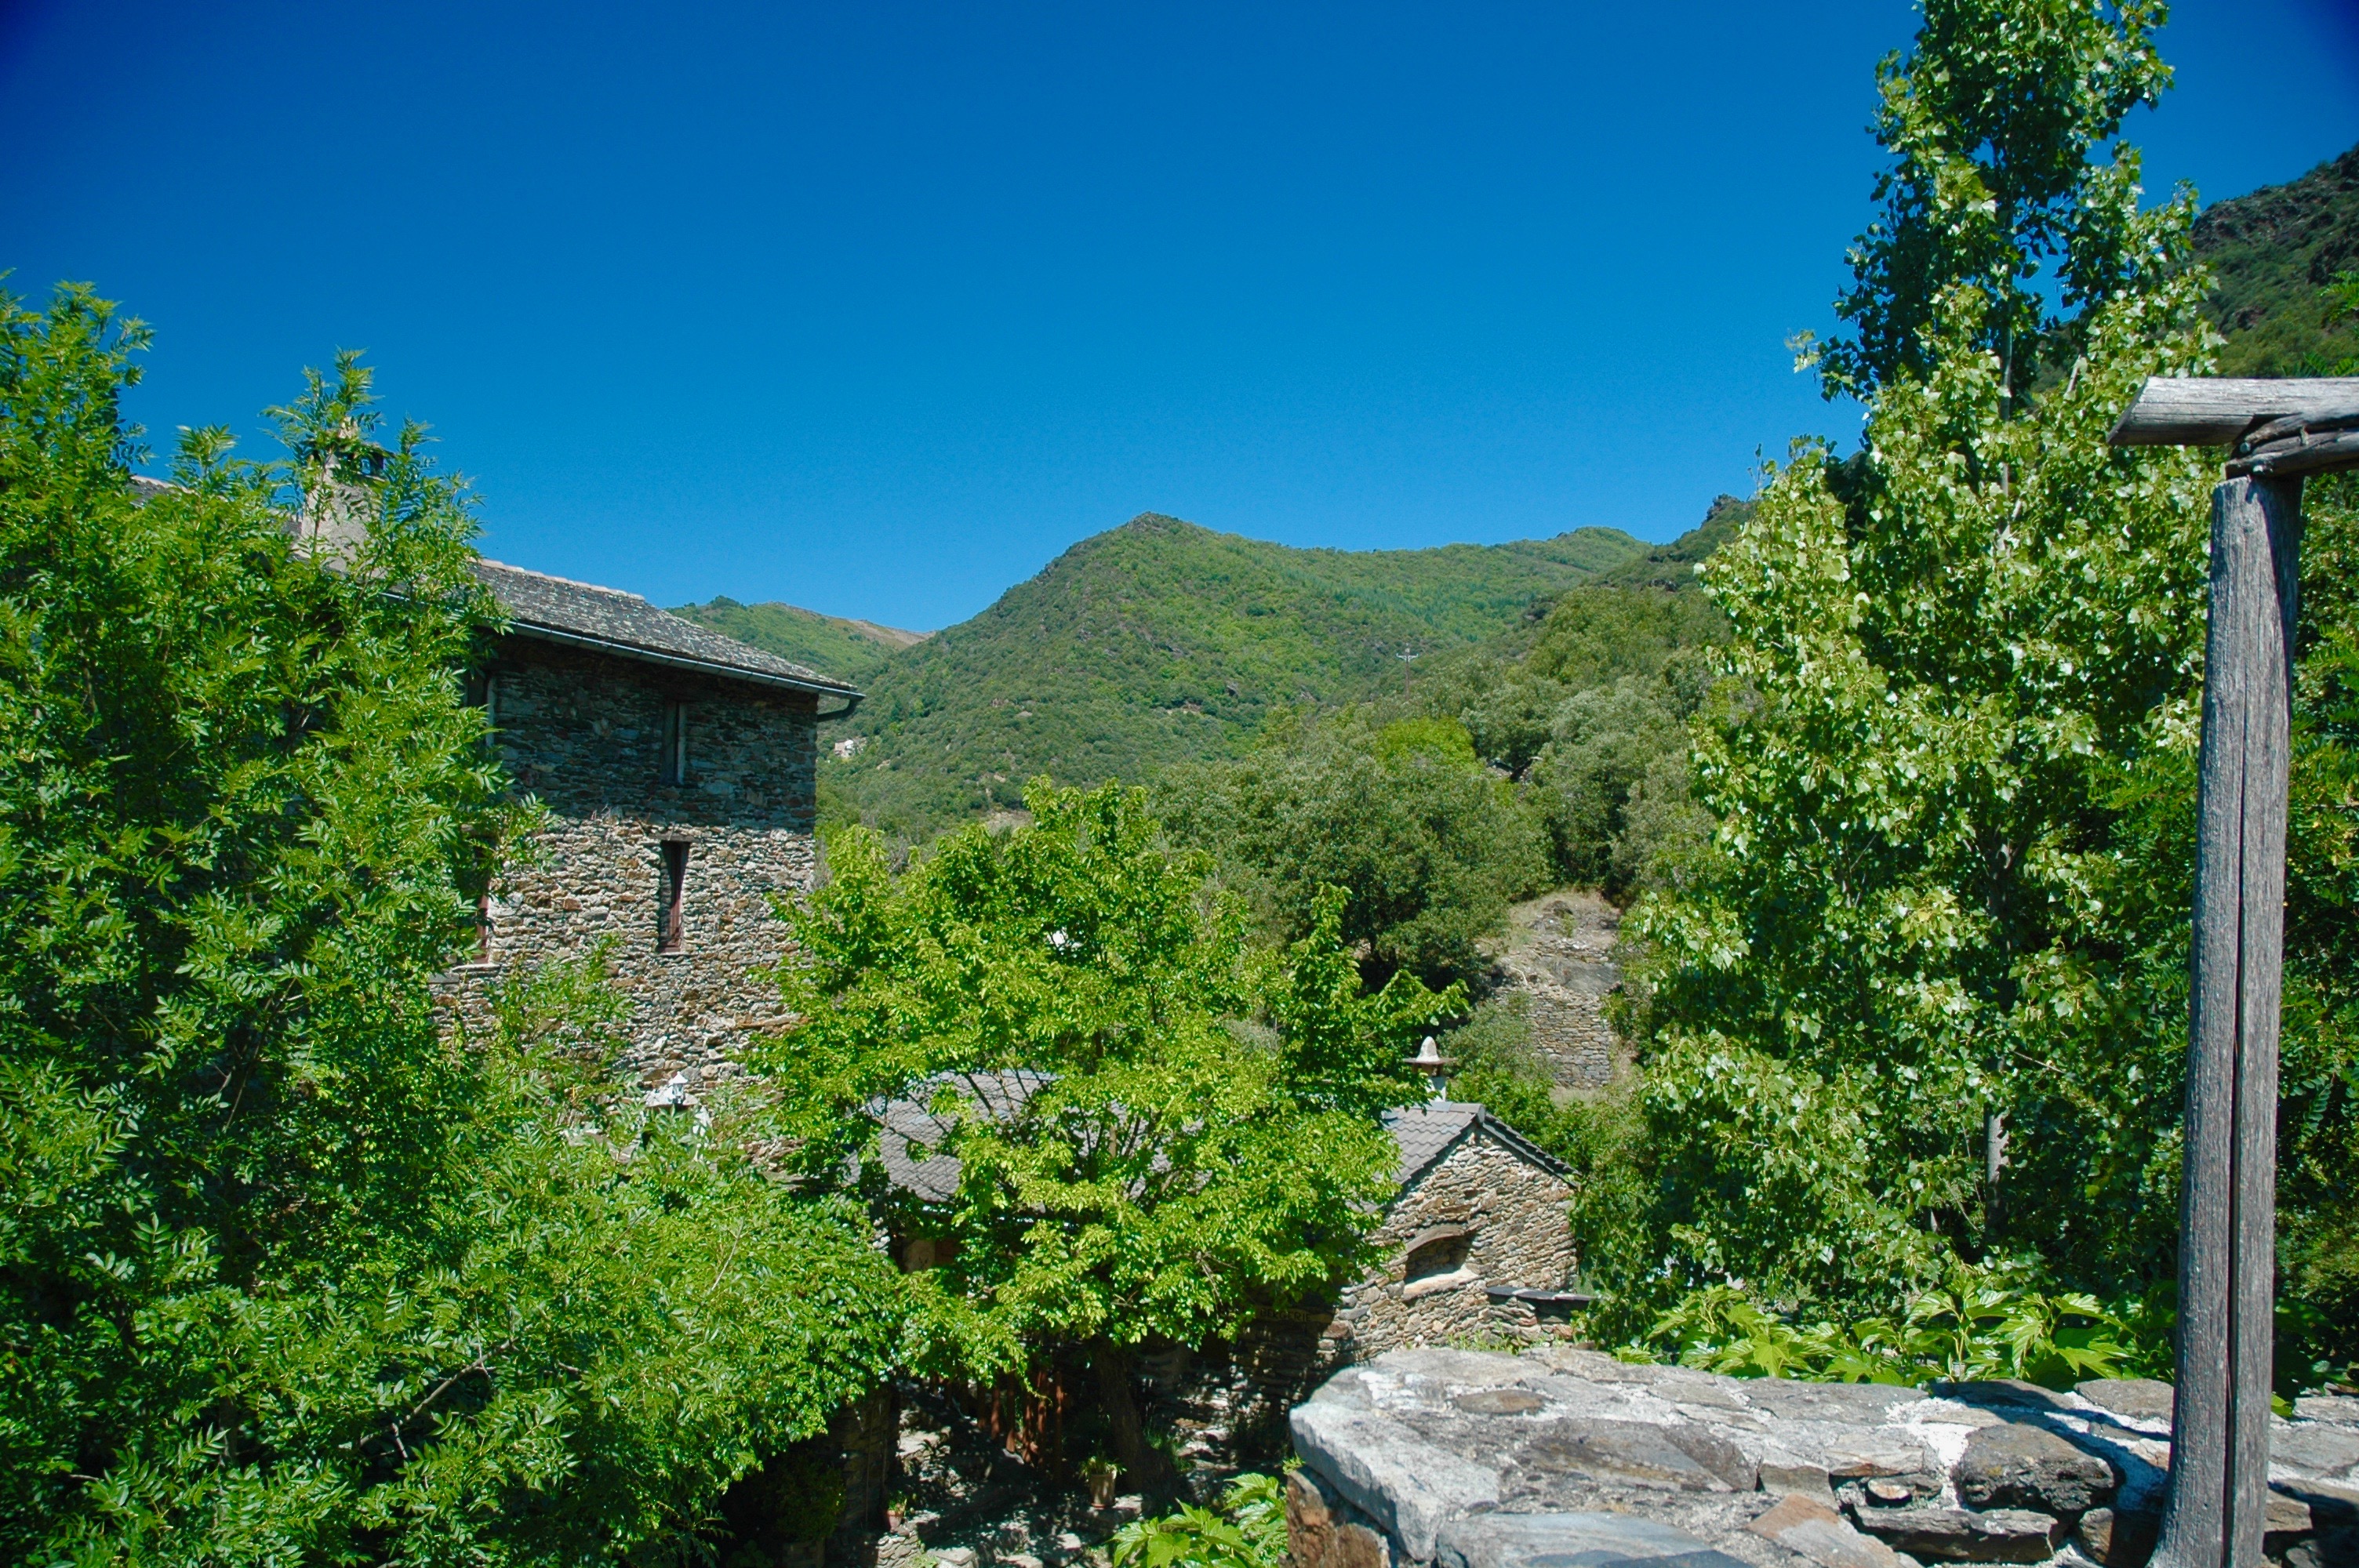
pixel 577 583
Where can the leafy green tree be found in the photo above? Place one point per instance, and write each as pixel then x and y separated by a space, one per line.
pixel 1160 1129
pixel 1609 745
pixel 287 1273
pixel 1960 664
pixel 1996 123
pixel 1427 845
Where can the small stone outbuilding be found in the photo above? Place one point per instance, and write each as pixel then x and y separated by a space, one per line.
pixel 1476 1248
pixel 1477 1244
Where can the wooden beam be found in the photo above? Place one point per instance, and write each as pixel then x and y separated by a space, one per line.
pixel 2213 411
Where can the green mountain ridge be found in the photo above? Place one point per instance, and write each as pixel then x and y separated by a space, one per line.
pixel 838 645
pixel 2273 251
pixel 1162 642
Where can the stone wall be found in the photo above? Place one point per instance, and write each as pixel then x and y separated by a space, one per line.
pixel 582 732
pixel 1562 1456
pixel 1511 1215
pixel 1556 968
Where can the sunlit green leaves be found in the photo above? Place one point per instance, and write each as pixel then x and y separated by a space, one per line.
pixel 1199 1139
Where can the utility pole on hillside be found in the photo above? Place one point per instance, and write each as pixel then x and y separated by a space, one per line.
pixel 2279 432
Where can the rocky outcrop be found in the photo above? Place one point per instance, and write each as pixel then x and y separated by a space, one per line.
pixel 1564 1457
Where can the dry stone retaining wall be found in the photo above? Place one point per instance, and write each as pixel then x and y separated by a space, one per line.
pixel 1556 966
pixel 1564 1457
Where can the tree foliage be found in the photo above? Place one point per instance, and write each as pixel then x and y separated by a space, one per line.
pixel 1199 1139
pixel 287 1273
pixel 1996 123
pixel 1428 846
pixel 1951 768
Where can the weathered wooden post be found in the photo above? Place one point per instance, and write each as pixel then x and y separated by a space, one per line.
pixel 2281 431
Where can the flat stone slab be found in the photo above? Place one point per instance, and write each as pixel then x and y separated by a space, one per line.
pixel 1565 1458
pixel 1587 1539
pixel 1965 1535
pixel 1810 1528
pixel 1386 1470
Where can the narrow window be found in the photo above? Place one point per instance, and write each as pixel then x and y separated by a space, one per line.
pixel 672 934
pixel 672 768
pixel 483 926
pixel 483 692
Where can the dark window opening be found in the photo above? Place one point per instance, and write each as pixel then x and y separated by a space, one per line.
pixel 672 766
pixel 672 933
pixel 483 692
pixel 476 874
pixel 1444 1254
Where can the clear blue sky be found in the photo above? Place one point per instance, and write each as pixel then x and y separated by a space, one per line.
pixel 876 308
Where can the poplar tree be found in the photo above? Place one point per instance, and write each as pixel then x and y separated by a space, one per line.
pixel 1922 1001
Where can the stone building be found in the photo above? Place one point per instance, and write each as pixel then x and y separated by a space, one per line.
pixel 677 769
pixel 1477 1244
pixel 1475 1247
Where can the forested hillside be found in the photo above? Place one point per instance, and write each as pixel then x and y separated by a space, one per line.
pixel 850 650
pixel 1161 642
pixel 2273 251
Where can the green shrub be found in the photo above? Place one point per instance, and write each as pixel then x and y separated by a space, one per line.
pixel 1247 1532
pixel 1981 1324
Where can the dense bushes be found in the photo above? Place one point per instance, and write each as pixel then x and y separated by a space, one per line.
pixel 1428 846
pixel 288 1274
pixel 1556 756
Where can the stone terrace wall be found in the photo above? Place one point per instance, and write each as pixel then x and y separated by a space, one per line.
pixel 1516 1213
pixel 1557 964
pixel 582 732
pixel 1562 1456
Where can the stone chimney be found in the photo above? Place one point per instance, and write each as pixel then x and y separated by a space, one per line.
pixel 337 506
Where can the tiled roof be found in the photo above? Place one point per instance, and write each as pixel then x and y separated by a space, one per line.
pixel 912 1132
pixel 555 609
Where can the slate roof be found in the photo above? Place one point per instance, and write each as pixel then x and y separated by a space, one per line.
pixel 919 1171
pixel 1427 1132
pixel 1424 1134
pixel 583 615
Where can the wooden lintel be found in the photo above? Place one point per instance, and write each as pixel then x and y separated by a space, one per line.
pixel 2213 411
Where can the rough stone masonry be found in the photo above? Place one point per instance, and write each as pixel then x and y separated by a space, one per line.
pixel 676 771
pixel 1567 1458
